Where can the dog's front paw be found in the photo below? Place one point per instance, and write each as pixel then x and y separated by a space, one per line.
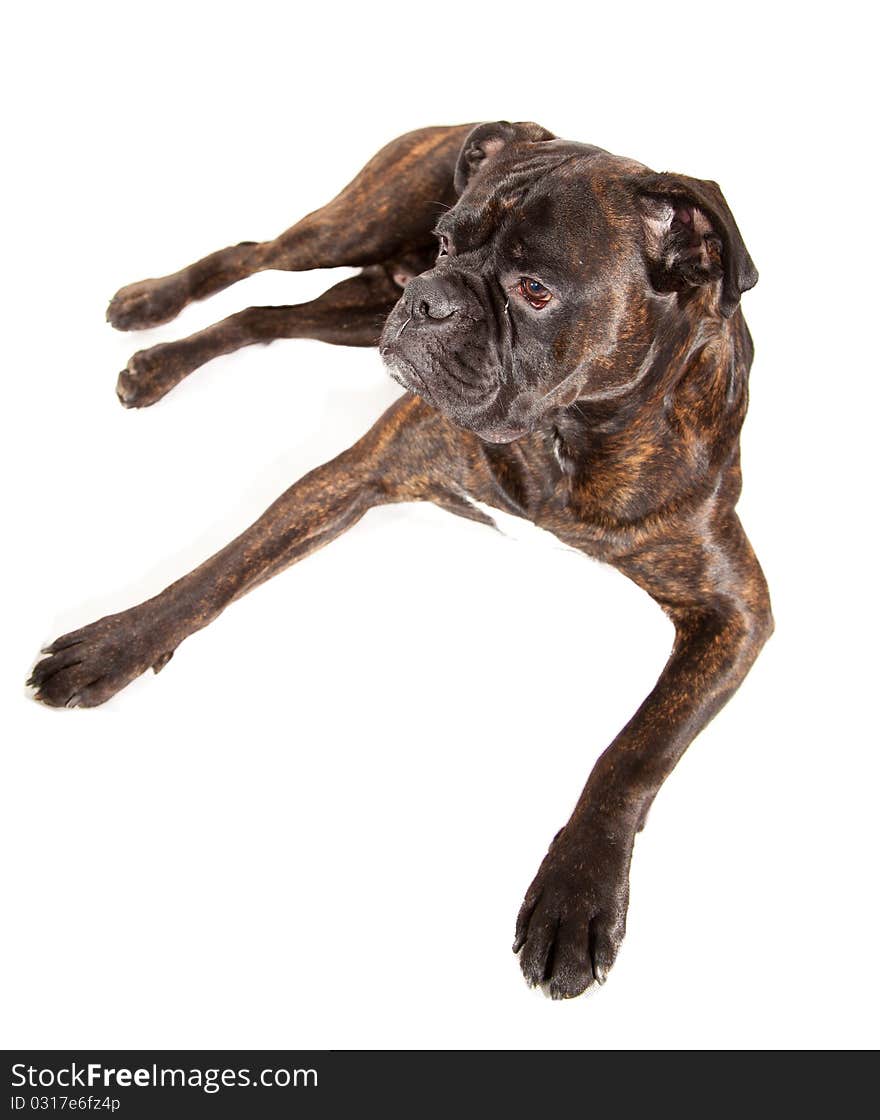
pixel 573 919
pixel 88 666
pixel 150 374
pixel 148 303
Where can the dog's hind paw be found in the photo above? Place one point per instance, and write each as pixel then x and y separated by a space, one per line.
pixel 147 303
pixel 150 374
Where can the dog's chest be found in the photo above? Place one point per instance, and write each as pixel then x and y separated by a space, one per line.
pixel 542 495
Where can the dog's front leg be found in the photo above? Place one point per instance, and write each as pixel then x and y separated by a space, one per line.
pixel 394 461
pixel 573 918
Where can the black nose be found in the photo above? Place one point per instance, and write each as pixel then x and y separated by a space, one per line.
pixel 432 299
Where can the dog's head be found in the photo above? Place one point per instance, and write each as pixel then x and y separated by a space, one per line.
pixel 555 268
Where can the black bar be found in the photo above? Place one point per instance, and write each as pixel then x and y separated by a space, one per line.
pixel 131 1084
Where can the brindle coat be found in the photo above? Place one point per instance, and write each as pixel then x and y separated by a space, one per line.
pixel 609 415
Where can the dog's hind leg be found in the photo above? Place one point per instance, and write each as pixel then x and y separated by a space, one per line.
pixel 350 313
pixel 388 210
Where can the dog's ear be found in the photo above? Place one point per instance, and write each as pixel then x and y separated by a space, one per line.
pixel 484 142
pixel 691 237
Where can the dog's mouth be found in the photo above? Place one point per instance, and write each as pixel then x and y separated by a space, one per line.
pixel 501 435
pixel 470 414
pixel 451 395
pixel 404 372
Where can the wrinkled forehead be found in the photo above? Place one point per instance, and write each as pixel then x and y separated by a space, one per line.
pixel 549 199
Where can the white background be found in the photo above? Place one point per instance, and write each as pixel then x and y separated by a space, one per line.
pixel 316 826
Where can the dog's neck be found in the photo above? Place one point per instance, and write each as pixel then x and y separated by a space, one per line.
pixel 689 397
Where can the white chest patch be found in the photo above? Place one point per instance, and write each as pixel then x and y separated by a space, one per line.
pixel 519 529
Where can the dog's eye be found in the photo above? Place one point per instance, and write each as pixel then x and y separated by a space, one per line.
pixel 534 291
pixel 443 251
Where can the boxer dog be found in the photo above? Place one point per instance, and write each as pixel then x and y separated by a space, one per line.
pixel 567 326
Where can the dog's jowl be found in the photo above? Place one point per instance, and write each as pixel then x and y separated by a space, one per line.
pixel 567 326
